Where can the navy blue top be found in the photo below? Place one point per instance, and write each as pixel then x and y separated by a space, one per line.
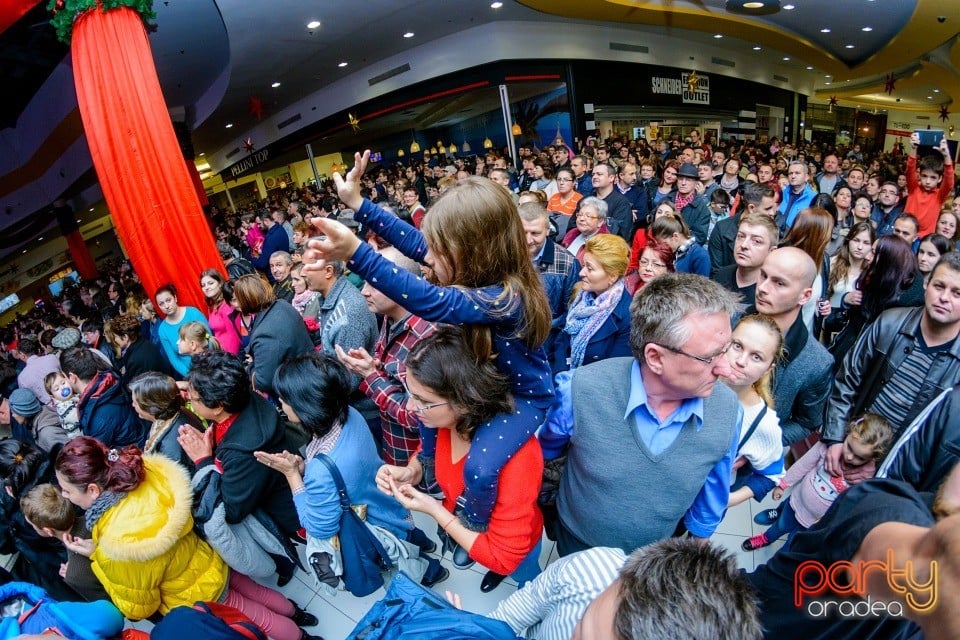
pixel 528 369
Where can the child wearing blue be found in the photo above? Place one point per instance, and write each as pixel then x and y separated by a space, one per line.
pixel 472 240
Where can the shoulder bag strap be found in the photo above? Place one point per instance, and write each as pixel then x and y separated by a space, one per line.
pixel 753 427
pixel 337 479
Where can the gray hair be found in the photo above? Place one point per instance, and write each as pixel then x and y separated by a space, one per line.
pixel 530 211
pixel 282 254
pixel 692 589
pixel 599 205
pixel 799 163
pixel 659 311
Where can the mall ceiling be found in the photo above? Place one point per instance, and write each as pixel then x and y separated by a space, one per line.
pixel 843 48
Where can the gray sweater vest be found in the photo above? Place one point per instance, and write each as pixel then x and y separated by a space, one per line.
pixel 614 492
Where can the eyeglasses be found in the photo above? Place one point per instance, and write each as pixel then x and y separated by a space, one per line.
pixel 585 216
pixel 704 359
pixel 644 262
pixel 564 179
pixel 418 408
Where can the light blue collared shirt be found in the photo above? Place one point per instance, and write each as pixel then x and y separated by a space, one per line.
pixel 709 506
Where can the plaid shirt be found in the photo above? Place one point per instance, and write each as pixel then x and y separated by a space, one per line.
pixel 401 432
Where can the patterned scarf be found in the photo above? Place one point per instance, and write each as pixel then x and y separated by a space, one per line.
pixel 324 444
pixel 587 314
pixel 683 200
pixel 301 300
pixel 101 505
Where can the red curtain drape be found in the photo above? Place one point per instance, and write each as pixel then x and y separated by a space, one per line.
pixel 145 181
pixel 197 183
pixel 80 254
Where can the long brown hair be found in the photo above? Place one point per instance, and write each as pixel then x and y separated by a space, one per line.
pixel 811 233
pixel 841 263
pixel 474 227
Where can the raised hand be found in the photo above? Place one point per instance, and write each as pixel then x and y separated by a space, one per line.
pixel 348 188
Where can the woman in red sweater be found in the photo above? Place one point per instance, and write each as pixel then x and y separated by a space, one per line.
pixel 450 392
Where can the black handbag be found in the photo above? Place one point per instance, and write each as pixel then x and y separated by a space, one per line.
pixel 364 558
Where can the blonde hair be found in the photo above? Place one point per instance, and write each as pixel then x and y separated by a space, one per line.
pixel 198 332
pixel 45 506
pixel 611 251
pixel 873 431
pixel 764 386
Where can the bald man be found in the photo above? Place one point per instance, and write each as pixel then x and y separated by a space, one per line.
pixel 804 378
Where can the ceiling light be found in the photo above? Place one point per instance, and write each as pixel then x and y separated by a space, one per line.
pixel 753 7
pixel 867 29
pixel 809 68
pixel 313 24
pixel 201 154
pixel 91 209
pixel 78 219
pixel 757 48
pixel 343 64
pixel 275 85
pixel 496 5
pixel 788 7
pixel 408 34
pixel 929 97
pixel 718 35
pixel 786 58
pixel 825 30
pixel 40 238
pixel 229 124
pixel 827 83
pixel 936 90
pixel 24 251
pixel 849 46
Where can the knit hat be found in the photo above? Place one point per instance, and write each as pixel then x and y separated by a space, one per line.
pixel 66 339
pixel 24 403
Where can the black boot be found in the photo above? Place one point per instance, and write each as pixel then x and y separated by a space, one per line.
pixel 307 636
pixel 491 581
pixel 301 617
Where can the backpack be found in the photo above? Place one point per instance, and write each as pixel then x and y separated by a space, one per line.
pixel 209 621
pixel 412 612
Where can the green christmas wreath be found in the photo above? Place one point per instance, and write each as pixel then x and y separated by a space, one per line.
pixel 65 12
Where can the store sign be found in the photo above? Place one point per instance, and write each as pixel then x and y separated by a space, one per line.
pixel 250 162
pixel 692 87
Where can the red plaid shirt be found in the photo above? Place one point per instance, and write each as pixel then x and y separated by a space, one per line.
pixel 401 432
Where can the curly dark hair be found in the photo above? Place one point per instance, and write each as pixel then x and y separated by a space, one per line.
pixel 220 380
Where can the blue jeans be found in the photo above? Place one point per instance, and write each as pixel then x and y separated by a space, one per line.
pixel 785 524
pixel 494 443
pixel 529 568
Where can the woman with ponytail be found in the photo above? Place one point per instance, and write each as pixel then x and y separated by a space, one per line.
pixel 144 549
pixel 755 347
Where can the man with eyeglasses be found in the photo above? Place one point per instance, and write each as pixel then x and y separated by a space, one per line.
pixel 619 213
pixel 887 208
pixel 650 439
pixel 803 378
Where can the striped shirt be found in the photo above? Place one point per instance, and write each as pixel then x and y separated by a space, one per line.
pixel 550 607
pixel 897 396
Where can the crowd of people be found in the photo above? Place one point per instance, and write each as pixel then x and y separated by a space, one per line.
pixel 613 346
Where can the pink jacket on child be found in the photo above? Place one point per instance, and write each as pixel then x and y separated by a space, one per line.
pixel 815 488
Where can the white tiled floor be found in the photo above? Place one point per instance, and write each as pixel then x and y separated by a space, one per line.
pixel 339 614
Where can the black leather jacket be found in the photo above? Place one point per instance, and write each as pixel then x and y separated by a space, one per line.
pixel 926 456
pixel 871 363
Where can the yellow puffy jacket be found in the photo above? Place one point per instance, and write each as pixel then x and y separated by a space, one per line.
pixel 147 555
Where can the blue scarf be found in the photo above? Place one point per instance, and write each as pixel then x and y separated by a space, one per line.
pixel 586 315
